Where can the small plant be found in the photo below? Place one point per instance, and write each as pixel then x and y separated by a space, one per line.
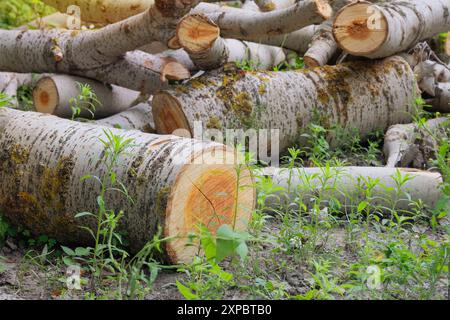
pixel 86 101
pixel 5 100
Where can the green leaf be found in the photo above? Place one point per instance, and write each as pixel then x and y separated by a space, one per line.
pixel 68 251
pixel 242 250
pixel 83 214
pixel 81 252
pixel 186 292
pixel 362 206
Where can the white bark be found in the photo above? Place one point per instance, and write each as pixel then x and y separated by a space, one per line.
pixel 45 157
pixel 139 117
pixel 200 37
pixel 241 24
pixel 348 185
pixel 429 73
pixel 270 5
pixel 367 96
pixel 409 144
pixel 383 29
pixel 53 94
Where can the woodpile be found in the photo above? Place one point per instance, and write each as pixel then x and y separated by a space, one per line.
pixel 157 67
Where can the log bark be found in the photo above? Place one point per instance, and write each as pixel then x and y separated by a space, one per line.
pixel 368 96
pixel 441 99
pixel 139 117
pixel 270 5
pixel 348 185
pixel 105 11
pixel 45 157
pixel 429 73
pixel 53 93
pixel 383 29
pixel 413 145
pixel 241 24
pixel 200 37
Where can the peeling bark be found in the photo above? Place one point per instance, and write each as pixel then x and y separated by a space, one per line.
pixel 413 145
pixel 45 157
pixel 348 185
pixel 383 29
pixel 367 96
pixel 200 37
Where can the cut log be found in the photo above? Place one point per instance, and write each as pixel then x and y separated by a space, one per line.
pixel 367 96
pixel 200 37
pixel 429 73
pixel 413 145
pixel 348 185
pixel 242 24
pixel 297 41
pixel 270 5
pixel 105 11
pixel 53 94
pixel 383 29
pixel 139 117
pixel 175 183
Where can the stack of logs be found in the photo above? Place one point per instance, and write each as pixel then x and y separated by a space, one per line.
pixel 157 66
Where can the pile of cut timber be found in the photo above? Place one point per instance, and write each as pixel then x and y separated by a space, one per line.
pixel 147 69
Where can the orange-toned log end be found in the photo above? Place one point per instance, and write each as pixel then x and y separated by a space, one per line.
pixel 168 114
pixel 324 9
pixel 197 33
pixel 360 28
pixel 311 62
pixel 206 193
pixel 45 96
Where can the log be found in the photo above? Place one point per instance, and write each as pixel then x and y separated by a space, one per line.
pixel 367 96
pixel 105 11
pixel 175 183
pixel 383 29
pixel 348 185
pixel 412 145
pixel 139 117
pixel 429 73
pixel 53 93
pixel 441 100
pixel 200 38
pixel 242 24
pixel 270 5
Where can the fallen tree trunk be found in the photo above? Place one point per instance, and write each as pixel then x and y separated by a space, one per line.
pixel 54 94
pixel 105 11
pixel 139 117
pixel 349 186
pixel 367 96
pixel 241 24
pixel 200 37
pixel 383 29
pixel 429 73
pixel 413 145
pixel 175 183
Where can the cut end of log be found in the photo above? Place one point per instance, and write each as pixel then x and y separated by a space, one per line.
pixel 324 9
pixel 46 96
pixel 168 115
pixel 197 33
pixel 206 194
pixel 174 71
pixel 311 62
pixel 360 28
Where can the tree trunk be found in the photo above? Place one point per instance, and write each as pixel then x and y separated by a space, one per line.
pixel 139 117
pixel 368 96
pixel 241 24
pixel 409 144
pixel 53 94
pixel 270 5
pixel 429 73
pixel 349 186
pixel 105 11
pixel 44 159
pixel 200 37
pixel 383 29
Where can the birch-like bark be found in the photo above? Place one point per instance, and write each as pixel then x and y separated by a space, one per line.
pixel 349 185
pixel 44 159
pixel 366 96
pixel 413 145
pixel 241 24
pixel 200 37
pixel 55 94
pixel 270 5
pixel 139 117
pixel 383 29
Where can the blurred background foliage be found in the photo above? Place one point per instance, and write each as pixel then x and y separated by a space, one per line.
pixel 14 13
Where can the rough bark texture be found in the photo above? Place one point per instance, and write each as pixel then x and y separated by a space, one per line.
pixel 368 96
pixel 105 11
pixel 383 29
pixel 200 37
pixel 348 186
pixel 412 145
pixel 53 93
pixel 240 24
pixel 139 117
pixel 45 157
